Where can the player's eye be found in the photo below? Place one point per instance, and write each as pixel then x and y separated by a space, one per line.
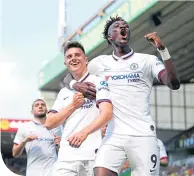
pixel 77 54
pixel 116 25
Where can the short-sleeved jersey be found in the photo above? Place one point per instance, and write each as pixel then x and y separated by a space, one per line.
pixel 163 153
pixel 130 80
pixel 41 152
pixel 79 119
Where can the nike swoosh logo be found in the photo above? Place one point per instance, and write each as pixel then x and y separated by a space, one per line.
pixel 65 98
pixel 152 170
pixel 106 69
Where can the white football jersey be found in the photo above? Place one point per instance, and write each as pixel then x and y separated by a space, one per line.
pixel 130 80
pixel 163 153
pixel 79 119
pixel 41 152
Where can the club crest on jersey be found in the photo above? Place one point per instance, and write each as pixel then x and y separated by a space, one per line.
pixel 134 66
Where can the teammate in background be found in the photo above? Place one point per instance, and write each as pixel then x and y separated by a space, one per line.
pixel 163 154
pixel 131 133
pixel 39 143
pixel 82 119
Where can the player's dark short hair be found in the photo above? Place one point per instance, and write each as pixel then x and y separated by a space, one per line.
pixel 72 44
pixel 108 24
pixel 39 99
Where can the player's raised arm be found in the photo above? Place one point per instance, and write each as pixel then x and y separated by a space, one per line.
pixel 58 115
pixel 168 76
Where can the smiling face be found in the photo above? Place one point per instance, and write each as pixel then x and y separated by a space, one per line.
pixel 119 33
pixel 76 61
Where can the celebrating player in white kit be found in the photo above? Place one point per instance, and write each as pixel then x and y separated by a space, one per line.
pixel 39 143
pixel 82 120
pixel 131 133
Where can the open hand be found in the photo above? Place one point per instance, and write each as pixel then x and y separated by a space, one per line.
pixel 57 139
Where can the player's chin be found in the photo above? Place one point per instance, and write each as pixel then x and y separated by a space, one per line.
pixel 74 68
pixel 124 42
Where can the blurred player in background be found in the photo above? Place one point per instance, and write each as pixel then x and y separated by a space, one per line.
pixel 131 133
pixel 39 143
pixel 82 119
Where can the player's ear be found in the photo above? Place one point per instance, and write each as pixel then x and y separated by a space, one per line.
pixel 86 58
pixel 109 38
pixel 65 62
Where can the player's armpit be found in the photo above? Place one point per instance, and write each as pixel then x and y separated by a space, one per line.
pixel 169 76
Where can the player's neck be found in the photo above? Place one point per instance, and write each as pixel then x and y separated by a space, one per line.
pixel 40 120
pixel 121 51
pixel 78 75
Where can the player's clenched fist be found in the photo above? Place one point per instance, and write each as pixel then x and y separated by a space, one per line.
pixel 155 40
pixel 78 100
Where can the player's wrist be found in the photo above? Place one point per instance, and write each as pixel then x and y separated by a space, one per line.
pixel 86 131
pixel 72 107
pixel 24 141
pixel 164 54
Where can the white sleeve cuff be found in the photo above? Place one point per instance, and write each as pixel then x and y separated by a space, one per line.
pixel 72 83
pixel 164 54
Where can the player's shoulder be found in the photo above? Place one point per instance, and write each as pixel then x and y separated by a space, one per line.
pixel 100 59
pixel 145 56
pixel 64 91
pixel 24 126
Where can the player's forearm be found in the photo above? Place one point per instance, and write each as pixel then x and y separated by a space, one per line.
pixel 18 149
pixel 169 77
pixel 56 119
pixel 101 120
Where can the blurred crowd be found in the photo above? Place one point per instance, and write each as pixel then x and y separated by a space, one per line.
pixel 16 165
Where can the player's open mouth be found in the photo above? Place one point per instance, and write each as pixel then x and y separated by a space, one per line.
pixel 123 33
pixel 74 63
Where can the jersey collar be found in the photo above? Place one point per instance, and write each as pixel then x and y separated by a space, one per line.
pixel 36 122
pixel 126 56
pixel 84 77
